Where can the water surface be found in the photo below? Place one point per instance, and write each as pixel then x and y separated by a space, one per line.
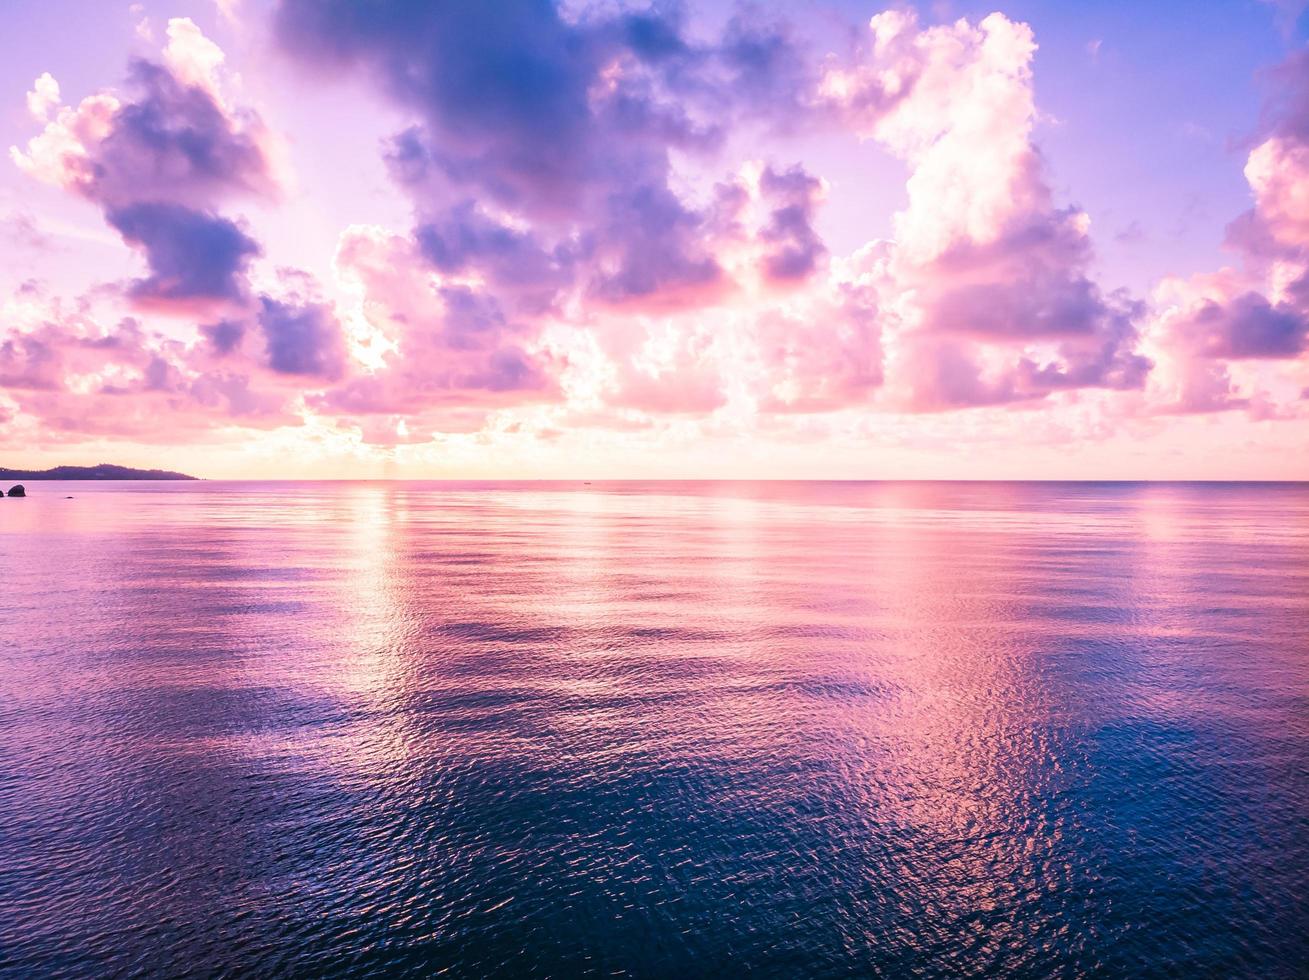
pixel 655 729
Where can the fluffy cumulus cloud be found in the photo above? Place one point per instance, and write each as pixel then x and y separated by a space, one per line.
pixel 192 255
pixel 561 130
pixel 614 225
pixel 1236 338
pixel 160 158
pixel 81 377
pixel 445 349
pixel 170 139
pixel 994 302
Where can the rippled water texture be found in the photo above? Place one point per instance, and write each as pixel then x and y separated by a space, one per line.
pixel 655 729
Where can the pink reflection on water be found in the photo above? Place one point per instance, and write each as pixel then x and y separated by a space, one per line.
pixel 888 702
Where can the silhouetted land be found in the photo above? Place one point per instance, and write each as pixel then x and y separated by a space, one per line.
pixel 101 471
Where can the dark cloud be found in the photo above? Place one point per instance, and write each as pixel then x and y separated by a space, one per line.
pixel 567 122
pixel 1093 341
pixel 1046 305
pixel 224 337
pixel 653 36
pixel 1029 285
pixel 1110 364
pixel 651 243
pixel 158 164
pixel 193 255
pixel 302 339
pixel 1026 283
pixel 507 369
pixel 501 86
pixel 795 246
pixel 516 262
pixel 1248 327
pixel 173 142
pixel 768 69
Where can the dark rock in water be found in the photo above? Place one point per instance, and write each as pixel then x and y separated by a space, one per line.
pixel 17 491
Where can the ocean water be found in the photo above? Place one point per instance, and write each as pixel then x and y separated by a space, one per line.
pixel 661 729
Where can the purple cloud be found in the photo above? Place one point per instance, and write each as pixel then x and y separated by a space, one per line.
pixel 302 339
pixel 795 246
pixel 192 255
pixel 224 337
pixel 1248 326
pixel 173 142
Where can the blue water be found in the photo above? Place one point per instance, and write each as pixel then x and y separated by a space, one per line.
pixel 930 730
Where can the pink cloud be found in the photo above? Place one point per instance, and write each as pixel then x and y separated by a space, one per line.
pixel 442 343
pixel 583 251
pixel 993 301
pixel 77 377
pixel 1235 338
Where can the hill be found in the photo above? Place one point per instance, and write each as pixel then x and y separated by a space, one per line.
pixel 102 471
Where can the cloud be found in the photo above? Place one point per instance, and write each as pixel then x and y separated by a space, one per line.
pixel 171 141
pixel 795 247
pixel 564 130
pixel 1248 326
pixel 76 379
pixel 225 336
pixel 443 349
pixel 503 91
pixel 650 246
pixel 466 241
pixel 587 247
pixel 301 338
pixel 995 302
pixel 825 356
pixel 193 59
pixel 29 362
pixel 564 124
pixel 192 255
pixel 1278 173
pixel 1211 330
pixel 24 232
pixel 43 97
pixel 568 146
pixel 159 162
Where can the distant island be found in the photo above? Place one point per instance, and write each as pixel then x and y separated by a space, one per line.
pixel 102 471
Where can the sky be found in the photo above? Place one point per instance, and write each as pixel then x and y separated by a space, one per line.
pixel 329 239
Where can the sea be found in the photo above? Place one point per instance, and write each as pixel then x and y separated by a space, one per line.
pixel 654 729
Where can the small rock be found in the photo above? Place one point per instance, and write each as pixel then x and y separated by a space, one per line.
pixel 17 491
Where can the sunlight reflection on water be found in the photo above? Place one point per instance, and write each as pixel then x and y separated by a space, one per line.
pixel 548 729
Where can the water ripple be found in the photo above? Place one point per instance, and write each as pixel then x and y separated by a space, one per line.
pixel 824 730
